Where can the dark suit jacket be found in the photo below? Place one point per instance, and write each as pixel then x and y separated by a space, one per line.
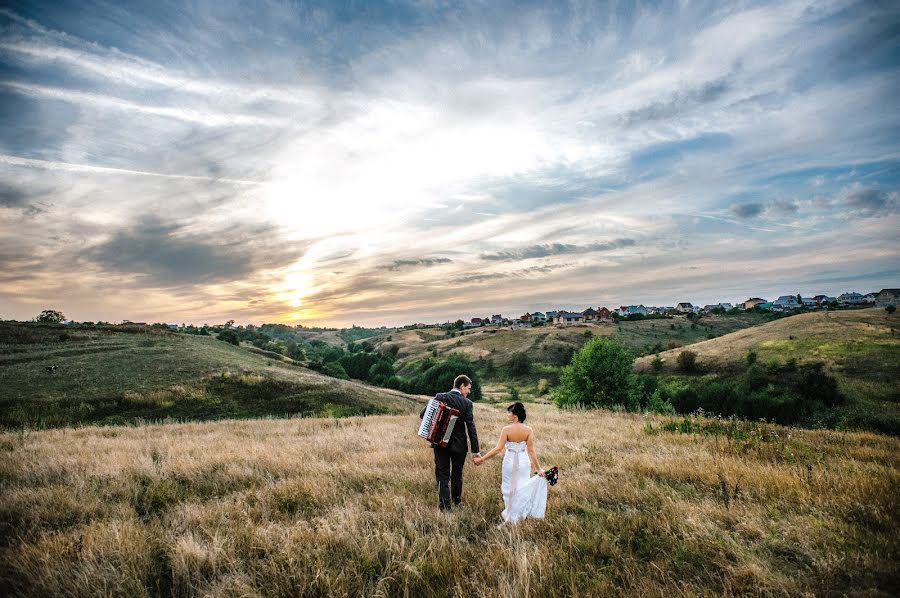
pixel 457 442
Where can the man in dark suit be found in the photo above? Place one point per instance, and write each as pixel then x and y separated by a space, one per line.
pixel 449 461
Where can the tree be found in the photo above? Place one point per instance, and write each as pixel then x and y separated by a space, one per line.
pixel 687 361
pixel 600 375
pixel 519 365
pixel 229 336
pixel 51 316
pixel 890 309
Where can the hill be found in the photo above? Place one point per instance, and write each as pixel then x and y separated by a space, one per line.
pixel 860 347
pixel 54 375
pixel 318 507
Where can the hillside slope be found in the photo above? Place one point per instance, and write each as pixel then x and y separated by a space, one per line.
pixel 552 345
pixel 861 348
pixel 54 375
pixel 313 507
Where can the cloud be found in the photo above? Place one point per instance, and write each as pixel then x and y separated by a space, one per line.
pixel 678 103
pixel 419 263
pixel 12 197
pixel 166 254
pixel 523 272
pixel 551 249
pixel 782 207
pixel 867 201
pixel 746 210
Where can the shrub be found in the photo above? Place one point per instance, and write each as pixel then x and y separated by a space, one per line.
pixel 674 345
pixel 51 316
pixel 229 336
pixel 657 404
pixel 890 309
pixel 687 362
pixel 520 365
pixel 335 370
pixel 751 357
pixel 599 375
pixel 657 364
pixel 439 377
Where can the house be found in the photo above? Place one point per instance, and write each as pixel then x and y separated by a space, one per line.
pixel 684 308
pixel 709 308
pixel 496 319
pixel 172 326
pixel 590 314
pixel 809 303
pixel 471 324
pixel 767 306
pixel 603 314
pixel 632 310
pixel 785 303
pixel 824 300
pixel 567 318
pixel 538 317
pixel 753 302
pixel 551 315
pixel 476 321
pixel 869 298
pixel 852 298
pixel 887 297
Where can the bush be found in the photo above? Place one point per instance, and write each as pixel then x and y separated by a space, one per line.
pixel 439 377
pixel 687 362
pixel 335 370
pixel 657 404
pixel 519 365
pixel 599 375
pixel 890 309
pixel 657 364
pixel 229 336
pixel 751 357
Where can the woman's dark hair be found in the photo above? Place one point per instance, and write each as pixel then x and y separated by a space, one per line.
pixel 517 409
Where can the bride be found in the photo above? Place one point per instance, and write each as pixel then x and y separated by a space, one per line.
pixel 523 495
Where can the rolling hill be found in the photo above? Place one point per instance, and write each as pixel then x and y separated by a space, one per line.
pixel 54 375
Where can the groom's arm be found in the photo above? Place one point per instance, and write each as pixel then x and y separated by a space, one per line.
pixel 470 428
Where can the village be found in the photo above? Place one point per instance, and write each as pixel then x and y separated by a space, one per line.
pixel 784 303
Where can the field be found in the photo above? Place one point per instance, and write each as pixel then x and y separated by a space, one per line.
pixel 123 375
pixel 308 507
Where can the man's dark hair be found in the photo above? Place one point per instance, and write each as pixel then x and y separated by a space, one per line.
pixel 517 409
pixel 462 379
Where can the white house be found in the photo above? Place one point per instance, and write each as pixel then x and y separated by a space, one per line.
pixel 809 303
pixel 852 298
pixel 870 298
pixel 684 308
pixel 785 303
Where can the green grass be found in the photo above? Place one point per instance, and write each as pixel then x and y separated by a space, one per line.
pixel 114 376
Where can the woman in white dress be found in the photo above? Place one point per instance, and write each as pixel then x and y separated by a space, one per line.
pixel 523 495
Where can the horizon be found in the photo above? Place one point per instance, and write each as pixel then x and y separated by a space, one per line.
pixel 394 163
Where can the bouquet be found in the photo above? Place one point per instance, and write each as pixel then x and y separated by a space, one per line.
pixel 552 475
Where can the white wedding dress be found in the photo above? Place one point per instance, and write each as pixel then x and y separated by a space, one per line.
pixel 523 495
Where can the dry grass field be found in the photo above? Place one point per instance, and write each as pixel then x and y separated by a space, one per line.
pixel 310 507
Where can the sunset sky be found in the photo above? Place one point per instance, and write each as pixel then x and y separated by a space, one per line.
pixel 387 163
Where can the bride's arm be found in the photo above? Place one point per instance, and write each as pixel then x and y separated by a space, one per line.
pixel 500 444
pixel 532 455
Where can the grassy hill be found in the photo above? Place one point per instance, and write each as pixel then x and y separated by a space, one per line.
pixel 548 347
pixel 316 507
pixel 116 375
pixel 860 348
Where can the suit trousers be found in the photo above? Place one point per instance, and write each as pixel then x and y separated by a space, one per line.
pixel 448 468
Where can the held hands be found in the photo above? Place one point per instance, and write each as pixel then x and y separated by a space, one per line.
pixel 477 460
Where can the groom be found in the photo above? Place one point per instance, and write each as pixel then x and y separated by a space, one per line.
pixel 449 461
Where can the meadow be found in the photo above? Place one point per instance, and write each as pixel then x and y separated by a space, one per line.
pixel 122 375
pixel 313 507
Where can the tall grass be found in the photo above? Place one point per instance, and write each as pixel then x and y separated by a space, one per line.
pixel 348 507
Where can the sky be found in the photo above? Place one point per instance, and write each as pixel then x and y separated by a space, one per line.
pixel 388 163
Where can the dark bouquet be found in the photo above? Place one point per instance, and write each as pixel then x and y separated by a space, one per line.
pixel 552 475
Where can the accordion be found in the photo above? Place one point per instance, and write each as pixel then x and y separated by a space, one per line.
pixel 437 422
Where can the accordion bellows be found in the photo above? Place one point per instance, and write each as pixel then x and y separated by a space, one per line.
pixel 438 422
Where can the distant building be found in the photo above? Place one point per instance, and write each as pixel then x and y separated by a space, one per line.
pixel 852 298
pixel 684 308
pixel 753 302
pixel 785 303
pixel 496 319
pixel 887 297
pixel 476 321
pixel 824 300
pixel 538 317
pixel 809 302
pixel 603 314
pixel 590 314
pixel 869 298
pixel 567 318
